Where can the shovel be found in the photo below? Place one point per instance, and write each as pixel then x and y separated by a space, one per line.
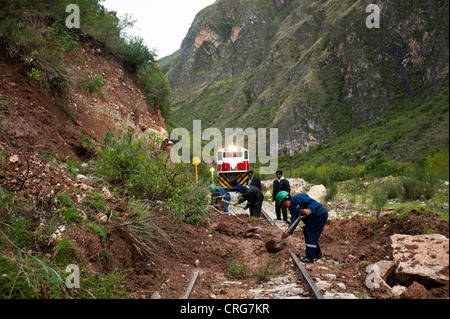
pixel 273 247
pixel 234 204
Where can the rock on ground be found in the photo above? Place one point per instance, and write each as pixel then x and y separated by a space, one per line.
pixel 421 258
pixel 416 291
pixel 378 274
pixel 317 192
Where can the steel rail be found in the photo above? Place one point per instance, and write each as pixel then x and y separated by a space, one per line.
pixel 191 284
pixel 305 274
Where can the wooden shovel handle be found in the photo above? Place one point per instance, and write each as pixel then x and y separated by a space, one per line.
pixel 293 224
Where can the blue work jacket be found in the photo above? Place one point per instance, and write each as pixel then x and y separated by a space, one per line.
pixel 221 194
pixel 303 201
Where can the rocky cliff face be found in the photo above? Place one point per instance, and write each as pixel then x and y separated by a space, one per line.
pixel 311 68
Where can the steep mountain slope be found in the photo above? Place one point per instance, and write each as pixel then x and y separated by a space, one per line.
pixel 62 89
pixel 32 119
pixel 311 68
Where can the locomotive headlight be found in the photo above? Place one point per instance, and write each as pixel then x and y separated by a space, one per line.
pixel 232 148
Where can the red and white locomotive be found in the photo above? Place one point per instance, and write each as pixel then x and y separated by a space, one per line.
pixel 232 166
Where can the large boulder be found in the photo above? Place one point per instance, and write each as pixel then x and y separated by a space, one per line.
pixel 317 192
pixel 383 268
pixel 422 258
pixel 297 185
pixel 266 185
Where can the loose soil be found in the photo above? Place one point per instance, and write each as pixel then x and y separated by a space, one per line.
pixel 348 246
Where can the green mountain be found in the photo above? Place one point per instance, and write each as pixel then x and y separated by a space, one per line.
pixel 312 68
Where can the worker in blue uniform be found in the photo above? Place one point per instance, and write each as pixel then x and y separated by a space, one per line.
pixel 217 195
pixel 315 219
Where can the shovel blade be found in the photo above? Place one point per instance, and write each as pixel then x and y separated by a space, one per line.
pixel 273 247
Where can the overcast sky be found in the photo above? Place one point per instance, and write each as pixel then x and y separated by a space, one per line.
pixel 163 24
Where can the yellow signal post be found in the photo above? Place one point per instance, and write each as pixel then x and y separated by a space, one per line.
pixel 196 161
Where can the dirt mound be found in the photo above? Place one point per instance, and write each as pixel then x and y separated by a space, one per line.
pixel 356 242
pixel 211 248
pixel 366 238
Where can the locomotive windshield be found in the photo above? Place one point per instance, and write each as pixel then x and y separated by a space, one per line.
pixel 232 154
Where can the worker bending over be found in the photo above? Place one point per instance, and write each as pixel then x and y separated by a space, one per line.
pixel 216 198
pixel 254 198
pixel 315 221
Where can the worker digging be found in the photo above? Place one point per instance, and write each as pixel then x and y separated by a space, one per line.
pixel 314 216
pixel 220 198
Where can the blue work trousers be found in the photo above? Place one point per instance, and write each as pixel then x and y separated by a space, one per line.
pixel 312 231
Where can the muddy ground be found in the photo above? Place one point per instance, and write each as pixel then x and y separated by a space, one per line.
pixel 348 246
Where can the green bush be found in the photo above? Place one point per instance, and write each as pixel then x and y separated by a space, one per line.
pixel 28 277
pixel 121 156
pixel 412 189
pixel 67 209
pixel 43 51
pixel 379 200
pixel 392 190
pixel 68 40
pixel 332 190
pixel 149 174
pixel 19 288
pixel 7 201
pixel 438 164
pixel 18 230
pixel 97 202
pixel 328 175
pixel 109 286
pixel 237 270
pixel 34 74
pixel 264 273
pixel 188 201
pixel 72 166
pixel 420 182
pixel 378 165
pixel 93 84
pixel 136 54
pixel 65 253
pixel 153 84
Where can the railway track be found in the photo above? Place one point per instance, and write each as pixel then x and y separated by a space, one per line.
pixel 289 287
pixel 304 274
pixel 298 285
pixel 300 270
